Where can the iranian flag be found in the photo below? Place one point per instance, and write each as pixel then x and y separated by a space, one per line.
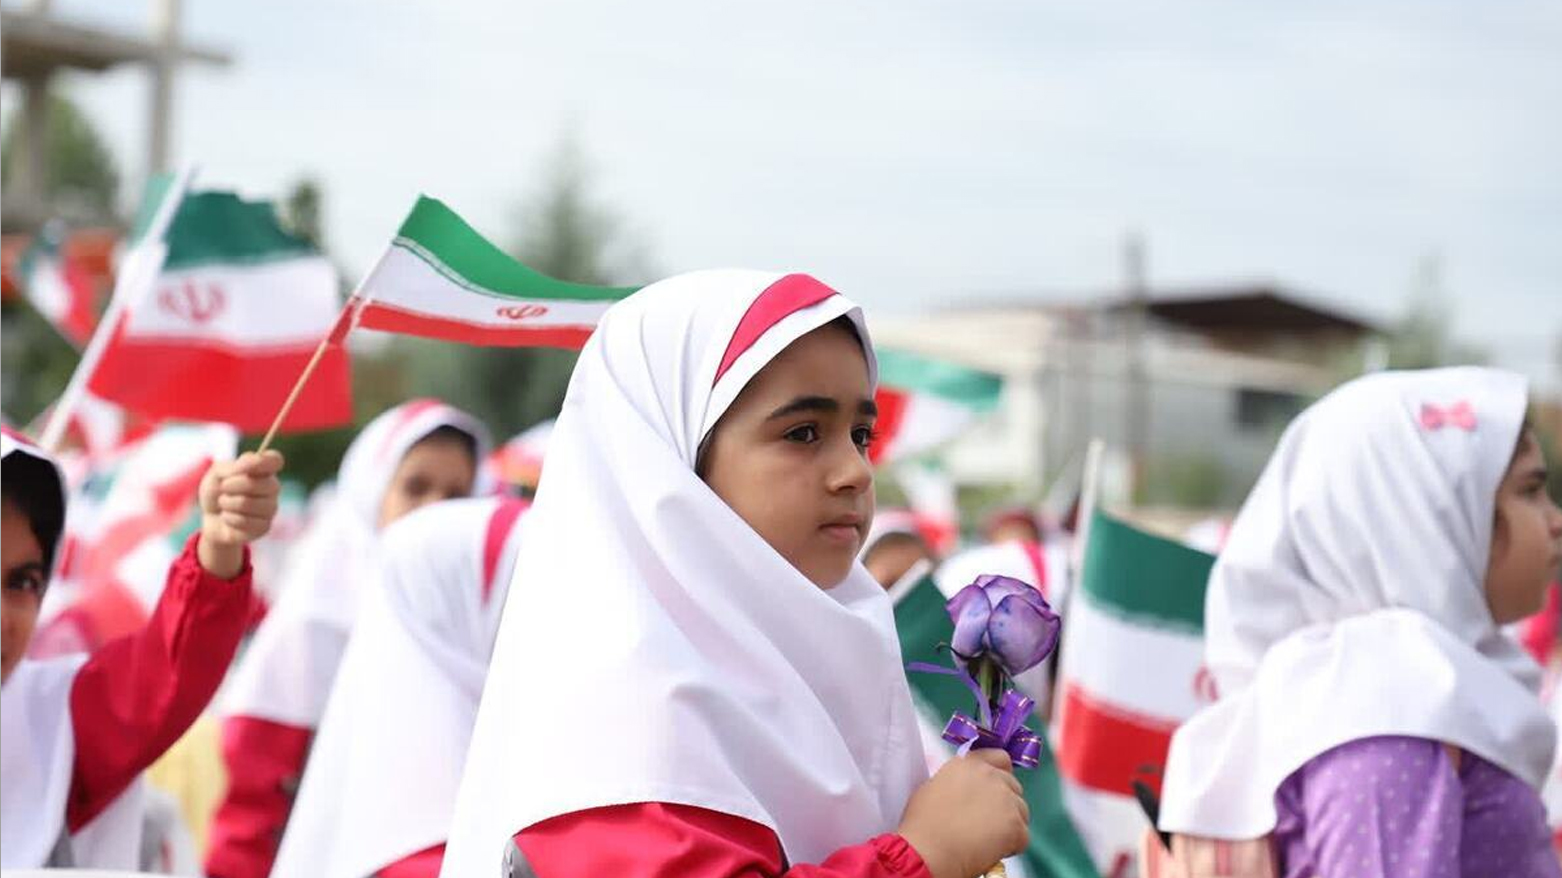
pixel 924 402
pixel 933 499
pixel 441 279
pixel 58 287
pixel 1132 671
pixel 221 333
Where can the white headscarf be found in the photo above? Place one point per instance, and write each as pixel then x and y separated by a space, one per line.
pixel 1349 600
pixel 285 674
pixel 664 651
pixel 383 772
pixel 37 740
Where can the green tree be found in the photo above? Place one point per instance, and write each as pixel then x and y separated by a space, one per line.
pixel 1423 337
pixel 83 181
pixel 302 211
pixel 82 185
pixel 563 232
pixel 35 362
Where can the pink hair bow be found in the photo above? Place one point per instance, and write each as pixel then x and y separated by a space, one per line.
pixel 1461 414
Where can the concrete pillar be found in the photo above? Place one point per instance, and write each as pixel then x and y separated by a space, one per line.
pixel 26 196
pixel 165 30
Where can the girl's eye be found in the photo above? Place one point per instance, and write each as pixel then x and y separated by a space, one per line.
pixel 864 437
pixel 805 433
pixel 26 581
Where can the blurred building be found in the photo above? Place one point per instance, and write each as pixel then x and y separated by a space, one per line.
pixel 36 46
pixel 1189 388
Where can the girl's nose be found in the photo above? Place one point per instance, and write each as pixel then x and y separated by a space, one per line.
pixel 851 470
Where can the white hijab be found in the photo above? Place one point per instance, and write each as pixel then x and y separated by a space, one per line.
pixel 382 776
pixel 38 741
pixel 665 652
pixel 285 675
pixel 1349 599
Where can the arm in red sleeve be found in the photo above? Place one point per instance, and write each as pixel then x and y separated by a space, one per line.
pixel 265 761
pixel 137 694
pixel 658 840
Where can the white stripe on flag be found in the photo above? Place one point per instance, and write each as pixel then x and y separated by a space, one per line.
pixel 220 303
pixel 1149 671
pixel 410 283
pixel 1110 825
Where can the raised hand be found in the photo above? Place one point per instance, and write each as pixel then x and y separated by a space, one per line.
pixel 238 502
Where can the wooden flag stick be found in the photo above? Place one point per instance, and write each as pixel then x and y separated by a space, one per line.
pixel 298 387
pixel 338 335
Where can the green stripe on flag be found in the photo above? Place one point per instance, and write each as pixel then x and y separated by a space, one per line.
pixel 220 228
pixel 435 234
pixel 1142 578
pixel 972 388
pixel 1055 849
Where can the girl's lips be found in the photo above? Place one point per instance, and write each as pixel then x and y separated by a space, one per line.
pixel 845 534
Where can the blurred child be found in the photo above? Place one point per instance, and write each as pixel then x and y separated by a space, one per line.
pixel 381 783
pixel 895 549
pixel 698 678
pixel 79 730
pixel 1013 524
pixel 417 453
pixel 1374 720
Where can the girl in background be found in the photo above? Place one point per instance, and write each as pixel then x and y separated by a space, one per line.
pixel 78 730
pixel 381 783
pixel 417 453
pixel 1374 720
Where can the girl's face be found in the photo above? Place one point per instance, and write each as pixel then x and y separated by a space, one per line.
pixel 791 454
pixel 21 563
pixel 1526 538
pixel 893 557
pixel 435 469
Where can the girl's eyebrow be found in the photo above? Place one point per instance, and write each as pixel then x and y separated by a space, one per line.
pixel 821 404
pixel 26 567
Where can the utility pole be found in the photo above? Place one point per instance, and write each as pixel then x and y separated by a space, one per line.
pixel 165 32
pixel 1136 397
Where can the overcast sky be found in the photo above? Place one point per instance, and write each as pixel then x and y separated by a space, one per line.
pixel 919 153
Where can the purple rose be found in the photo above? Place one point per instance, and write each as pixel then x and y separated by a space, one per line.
pixel 1005 619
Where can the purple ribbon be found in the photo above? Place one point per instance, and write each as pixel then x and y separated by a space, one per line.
pixel 1008 732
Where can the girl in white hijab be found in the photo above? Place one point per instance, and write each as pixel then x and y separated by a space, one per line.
pixel 1372 715
pixel 381 783
pixel 77 731
pixel 697 678
pixel 417 453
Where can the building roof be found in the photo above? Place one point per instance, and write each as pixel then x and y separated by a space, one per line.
pixel 1258 307
pixel 1252 308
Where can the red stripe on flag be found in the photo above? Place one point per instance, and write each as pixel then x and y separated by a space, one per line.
pixel 499 525
pixel 81 315
pixel 227 384
pixel 388 318
pixel 345 321
pixel 787 296
pixel 892 415
pixel 1106 747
